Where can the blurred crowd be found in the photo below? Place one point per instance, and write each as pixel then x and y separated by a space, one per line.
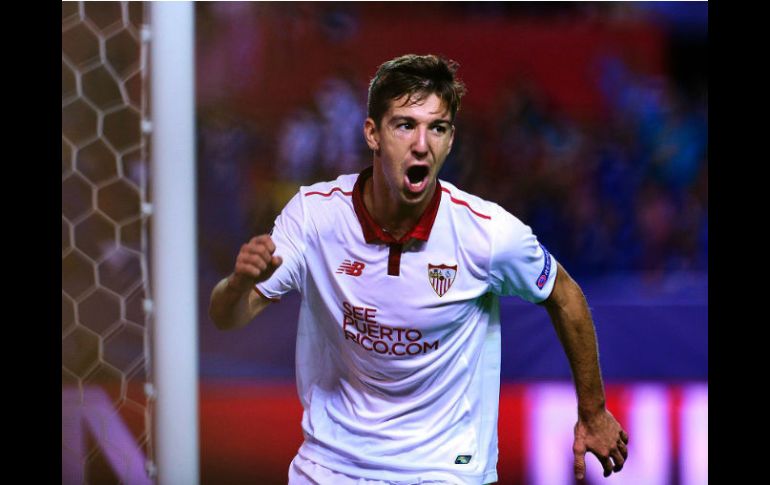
pixel 625 192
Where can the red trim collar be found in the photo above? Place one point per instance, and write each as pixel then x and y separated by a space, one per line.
pixel 374 233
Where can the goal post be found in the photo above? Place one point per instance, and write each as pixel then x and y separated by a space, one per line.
pixel 174 262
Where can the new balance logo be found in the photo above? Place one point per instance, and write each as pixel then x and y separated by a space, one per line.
pixel 352 268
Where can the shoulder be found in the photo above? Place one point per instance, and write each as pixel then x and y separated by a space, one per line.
pixel 323 199
pixel 473 211
pixel 339 188
pixel 466 205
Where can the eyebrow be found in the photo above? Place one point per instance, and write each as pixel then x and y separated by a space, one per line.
pixel 399 118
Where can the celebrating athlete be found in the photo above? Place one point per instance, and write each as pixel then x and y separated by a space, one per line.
pixel 398 345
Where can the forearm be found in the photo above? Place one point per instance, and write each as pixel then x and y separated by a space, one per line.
pixel 232 308
pixel 572 320
pixel 596 429
pixel 234 303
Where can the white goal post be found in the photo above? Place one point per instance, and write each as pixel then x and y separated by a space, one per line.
pixel 174 261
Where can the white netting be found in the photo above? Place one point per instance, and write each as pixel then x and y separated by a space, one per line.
pixel 106 432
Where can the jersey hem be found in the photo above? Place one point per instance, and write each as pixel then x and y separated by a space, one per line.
pixel 314 452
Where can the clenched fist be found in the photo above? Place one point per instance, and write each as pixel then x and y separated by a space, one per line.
pixel 255 263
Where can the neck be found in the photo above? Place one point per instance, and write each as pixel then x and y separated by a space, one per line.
pixel 394 217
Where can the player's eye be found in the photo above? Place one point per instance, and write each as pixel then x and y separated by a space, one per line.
pixel 404 126
pixel 440 129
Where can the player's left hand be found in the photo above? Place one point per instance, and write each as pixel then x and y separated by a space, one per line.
pixel 602 435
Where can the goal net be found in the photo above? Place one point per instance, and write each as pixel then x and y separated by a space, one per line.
pixel 106 391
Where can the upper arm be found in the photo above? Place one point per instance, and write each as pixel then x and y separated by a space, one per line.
pixel 566 296
pixel 562 288
pixel 519 264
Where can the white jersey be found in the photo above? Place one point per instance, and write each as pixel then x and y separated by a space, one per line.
pixel 398 345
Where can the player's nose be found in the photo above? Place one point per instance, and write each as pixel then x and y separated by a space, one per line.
pixel 420 142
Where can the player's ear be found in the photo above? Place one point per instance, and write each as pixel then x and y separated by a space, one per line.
pixel 451 137
pixel 371 134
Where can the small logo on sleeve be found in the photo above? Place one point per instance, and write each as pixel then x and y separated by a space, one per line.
pixel 352 268
pixel 463 459
pixel 541 280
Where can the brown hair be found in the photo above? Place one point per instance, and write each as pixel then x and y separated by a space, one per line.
pixel 417 77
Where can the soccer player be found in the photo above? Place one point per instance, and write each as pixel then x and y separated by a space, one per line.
pixel 398 345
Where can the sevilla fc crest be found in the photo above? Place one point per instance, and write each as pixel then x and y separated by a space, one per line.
pixel 441 277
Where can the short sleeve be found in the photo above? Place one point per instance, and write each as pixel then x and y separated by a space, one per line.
pixel 519 264
pixel 288 235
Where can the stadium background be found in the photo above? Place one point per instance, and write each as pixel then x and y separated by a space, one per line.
pixel 588 121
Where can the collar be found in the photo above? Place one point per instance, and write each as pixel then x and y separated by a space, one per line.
pixel 374 233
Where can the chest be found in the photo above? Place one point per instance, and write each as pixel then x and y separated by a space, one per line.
pixel 428 285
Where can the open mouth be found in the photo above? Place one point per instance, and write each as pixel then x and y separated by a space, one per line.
pixel 417 174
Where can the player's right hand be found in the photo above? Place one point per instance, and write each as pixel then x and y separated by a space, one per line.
pixel 255 263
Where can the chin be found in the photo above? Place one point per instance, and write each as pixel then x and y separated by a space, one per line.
pixel 411 200
pixel 415 199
